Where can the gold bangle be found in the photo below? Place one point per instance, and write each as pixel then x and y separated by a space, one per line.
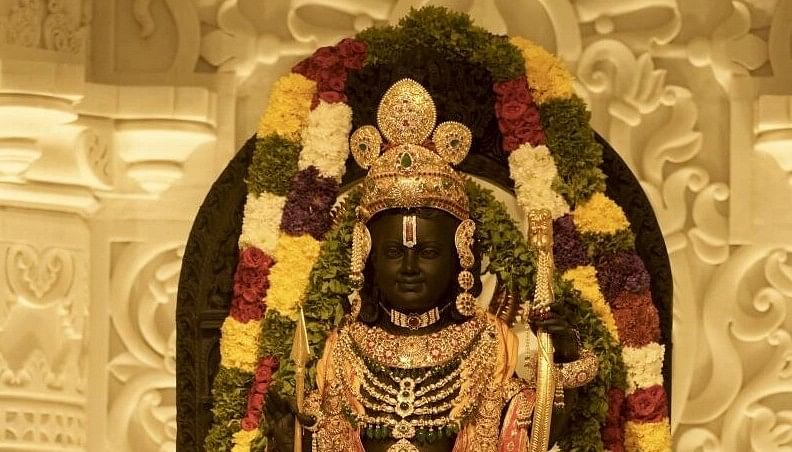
pixel 579 372
pixel 312 407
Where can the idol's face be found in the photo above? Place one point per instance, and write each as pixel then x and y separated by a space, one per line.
pixel 417 278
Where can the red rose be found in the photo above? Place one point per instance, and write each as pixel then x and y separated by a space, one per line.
pixel 249 423
pixel 531 116
pixel 349 47
pixel 647 404
pixel 264 374
pixel 521 136
pixel 521 95
pixel 247 275
pixel 261 387
pixel 510 86
pixel 615 407
pixel 302 67
pixel 332 97
pixel 514 90
pixel 265 377
pixel 354 63
pixel 508 127
pixel 250 295
pixel 613 437
pixel 256 401
pixel 510 110
pixel 325 57
pixel 333 81
pixel 511 143
pixel 528 134
pixel 268 363
pixel 352 53
pixel 255 258
pixel 245 312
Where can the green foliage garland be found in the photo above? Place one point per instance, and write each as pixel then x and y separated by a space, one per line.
pixel 577 154
pixel 591 408
pixel 273 166
pixel 276 340
pixel 500 239
pixel 230 403
pixel 599 244
pixel 449 32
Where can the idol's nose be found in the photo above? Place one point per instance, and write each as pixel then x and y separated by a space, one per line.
pixel 409 263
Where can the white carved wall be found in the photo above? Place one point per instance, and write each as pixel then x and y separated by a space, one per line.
pixel 117 115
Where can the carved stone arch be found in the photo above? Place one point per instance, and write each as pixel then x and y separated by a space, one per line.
pixel 205 289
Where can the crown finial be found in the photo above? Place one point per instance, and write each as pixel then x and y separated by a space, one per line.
pixel 407 113
pixel 407 116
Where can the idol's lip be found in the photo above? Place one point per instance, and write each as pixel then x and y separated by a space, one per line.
pixel 410 285
pixel 409 282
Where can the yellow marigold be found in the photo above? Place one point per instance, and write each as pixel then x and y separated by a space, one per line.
pixel 584 279
pixel 547 75
pixel 647 436
pixel 600 215
pixel 242 440
pixel 239 343
pixel 294 257
pixel 288 108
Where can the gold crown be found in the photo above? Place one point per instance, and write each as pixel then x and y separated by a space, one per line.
pixel 408 174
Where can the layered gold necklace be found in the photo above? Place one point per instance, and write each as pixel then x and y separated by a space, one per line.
pixel 411 385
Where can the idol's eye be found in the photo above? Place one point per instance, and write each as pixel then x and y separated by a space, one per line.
pixel 429 253
pixel 393 252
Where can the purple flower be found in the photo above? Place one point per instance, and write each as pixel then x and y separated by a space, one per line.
pixel 309 203
pixel 568 251
pixel 621 272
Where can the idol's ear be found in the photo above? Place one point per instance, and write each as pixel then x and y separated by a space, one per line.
pixel 452 141
pixel 365 144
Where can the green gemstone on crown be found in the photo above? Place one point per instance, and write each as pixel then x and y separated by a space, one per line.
pixel 406 160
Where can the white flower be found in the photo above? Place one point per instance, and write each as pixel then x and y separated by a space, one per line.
pixel 325 139
pixel 533 171
pixel 261 223
pixel 644 366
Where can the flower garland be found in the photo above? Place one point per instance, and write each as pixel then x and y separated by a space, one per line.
pixel 292 185
pixel 289 255
pixel 533 171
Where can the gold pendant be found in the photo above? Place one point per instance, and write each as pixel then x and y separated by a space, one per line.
pixel 403 446
pixel 403 430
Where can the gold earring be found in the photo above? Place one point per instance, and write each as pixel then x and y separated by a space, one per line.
pixel 463 239
pixel 361 247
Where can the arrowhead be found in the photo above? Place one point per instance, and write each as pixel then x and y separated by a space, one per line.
pixel 301 350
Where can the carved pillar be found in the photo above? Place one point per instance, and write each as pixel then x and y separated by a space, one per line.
pixel 43 321
pixel 44 255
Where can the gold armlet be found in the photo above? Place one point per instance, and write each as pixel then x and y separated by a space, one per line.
pixel 577 373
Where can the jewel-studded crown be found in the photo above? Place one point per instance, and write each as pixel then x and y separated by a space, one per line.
pixel 408 174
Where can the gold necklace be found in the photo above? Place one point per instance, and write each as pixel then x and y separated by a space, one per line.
pixel 411 352
pixel 414 321
pixel 418 408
